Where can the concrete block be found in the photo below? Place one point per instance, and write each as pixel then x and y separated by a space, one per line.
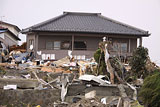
pixel 90 95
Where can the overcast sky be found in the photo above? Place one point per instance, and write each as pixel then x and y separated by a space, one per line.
pixel 143 14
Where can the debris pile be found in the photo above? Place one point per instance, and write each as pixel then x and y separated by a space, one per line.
pixel 88 103
pixel 23 47
pixel 101 81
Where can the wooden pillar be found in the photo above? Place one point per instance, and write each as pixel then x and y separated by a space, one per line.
pixel 35 45
pixel 107 38
pixel 129 46
pixel 140 41
pixel 72 42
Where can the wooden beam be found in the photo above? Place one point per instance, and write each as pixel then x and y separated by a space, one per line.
pixel 140 41
pixel 129 46
pixel 72 42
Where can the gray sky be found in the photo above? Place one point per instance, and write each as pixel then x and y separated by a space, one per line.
pixel 143 14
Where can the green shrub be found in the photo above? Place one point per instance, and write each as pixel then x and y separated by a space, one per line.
pixel 99 58
pixel 138 62
pixel 150 91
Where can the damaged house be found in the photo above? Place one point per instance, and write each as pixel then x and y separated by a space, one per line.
pixel 9 34
pixel 81 33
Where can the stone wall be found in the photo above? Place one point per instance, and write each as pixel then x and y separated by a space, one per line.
pixel 29 97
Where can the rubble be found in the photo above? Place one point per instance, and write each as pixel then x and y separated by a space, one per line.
pixel 19 48
pixel 88 103
pixel 67 82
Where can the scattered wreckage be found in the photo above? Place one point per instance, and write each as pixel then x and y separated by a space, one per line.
pixel 25 81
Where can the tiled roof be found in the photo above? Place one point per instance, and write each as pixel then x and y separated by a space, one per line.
pixel 86 23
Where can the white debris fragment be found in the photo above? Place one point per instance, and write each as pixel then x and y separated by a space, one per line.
pixel 39 52
pixel 70 53
pixel 94 78
pixel 90 95
pixel 7 87
pixel 103 100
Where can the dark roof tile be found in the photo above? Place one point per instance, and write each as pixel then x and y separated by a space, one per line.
pixel 85 22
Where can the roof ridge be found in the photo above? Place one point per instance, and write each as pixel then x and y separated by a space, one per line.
pixel 123 24
pixel 81 13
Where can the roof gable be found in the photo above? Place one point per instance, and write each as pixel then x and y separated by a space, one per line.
pixel 16 27
pixel 85 22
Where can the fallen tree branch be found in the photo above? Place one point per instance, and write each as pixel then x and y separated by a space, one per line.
pixel 119 79
pixel 41 80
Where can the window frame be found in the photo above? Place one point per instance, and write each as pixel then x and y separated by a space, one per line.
pixel 126 48
pixel 56 48
pixel 117 46
pixel 50 47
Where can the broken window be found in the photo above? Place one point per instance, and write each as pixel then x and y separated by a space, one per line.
pixel 65 45
pixel 80 45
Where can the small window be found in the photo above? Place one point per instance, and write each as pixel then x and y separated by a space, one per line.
pixel 57 44
pixel 116 46
pixel 124 47
pixel 49 45
pixel 80 45
pixel 120 47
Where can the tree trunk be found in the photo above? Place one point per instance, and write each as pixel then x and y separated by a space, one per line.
pixel 119 79
pixel 110 70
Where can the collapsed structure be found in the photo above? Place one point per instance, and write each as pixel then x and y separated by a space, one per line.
pixel 8 37
pixel 65 82
pixel 9 34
